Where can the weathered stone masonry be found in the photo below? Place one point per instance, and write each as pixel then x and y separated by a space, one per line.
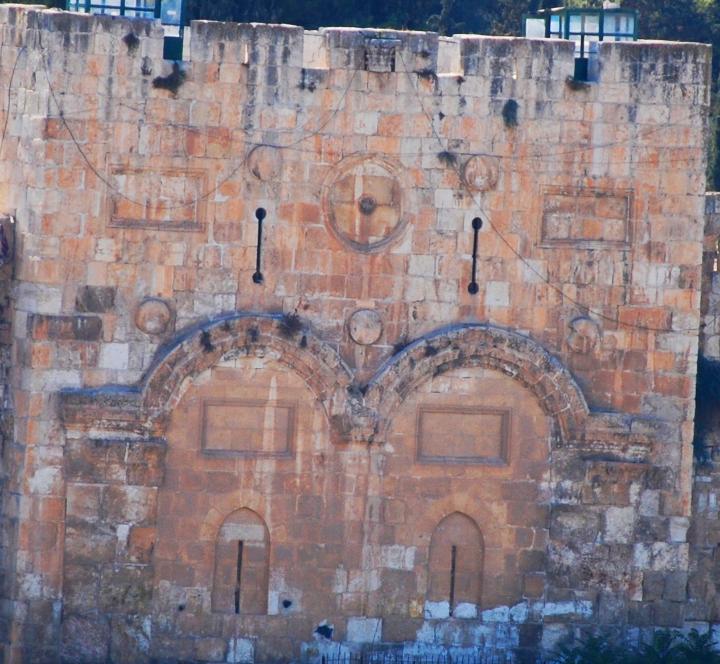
pixel 356 451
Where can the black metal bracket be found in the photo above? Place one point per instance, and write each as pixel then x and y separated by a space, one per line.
pixel 473 287
pixel 258 276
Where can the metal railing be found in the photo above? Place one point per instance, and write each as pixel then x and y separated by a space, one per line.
pixel 394 657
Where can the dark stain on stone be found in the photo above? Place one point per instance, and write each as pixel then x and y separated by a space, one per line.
pixel 303 341
pixel 206 342
pixel 400 345
pixel 290 325
pixel 427 74
pixel 448 158
pixel 510 113
pixel 575 84
pixel 326 631
pixel 95 299
pixel 172 82
pixel 132 41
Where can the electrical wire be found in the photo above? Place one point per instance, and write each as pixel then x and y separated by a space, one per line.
pixel 210 191
pixel 9 92
pixel 444 148
pixel 486 217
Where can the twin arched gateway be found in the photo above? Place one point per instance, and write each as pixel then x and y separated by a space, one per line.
pixel 265 507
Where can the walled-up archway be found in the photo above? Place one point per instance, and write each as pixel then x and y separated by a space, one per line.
pixel 265 443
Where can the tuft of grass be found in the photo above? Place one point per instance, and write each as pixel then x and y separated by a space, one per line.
pixel 448 158
pixel 132 41
pixel 290 325
pixel 172 82
pixel 510 113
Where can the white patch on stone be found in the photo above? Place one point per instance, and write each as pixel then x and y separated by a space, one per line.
pixel 32 586
pixel 465 610
pixel 45 481
pixel 498 614
pixel 437 610
pixel 519 613
pixel 397 557
pixel 582 608
pixel 231 532
pixel 678 528
pixel 619 524
pixel 497 294
pixel 114 356
pixel 364 630
pixel 649 503
pixel 341 579
pixel 241 651
pixel 123 532
pixel 426 634
pixel 278 591
pixel 38 298
pixel 641 556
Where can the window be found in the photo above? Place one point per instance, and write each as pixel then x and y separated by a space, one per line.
pixel 242 561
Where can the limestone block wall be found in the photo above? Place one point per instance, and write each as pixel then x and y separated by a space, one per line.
pixel 392 451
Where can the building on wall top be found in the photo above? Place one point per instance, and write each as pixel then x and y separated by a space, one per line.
pixel 169 12
pixel 585 26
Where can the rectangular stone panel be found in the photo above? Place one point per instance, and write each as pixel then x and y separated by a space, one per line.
pixel 463 435
pixel 252 428
pixel 157 198
pixel 586 217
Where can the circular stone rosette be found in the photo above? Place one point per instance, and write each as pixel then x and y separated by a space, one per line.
pixel 154 316
pixel 363 203
pixel 365 327
pixel 480 173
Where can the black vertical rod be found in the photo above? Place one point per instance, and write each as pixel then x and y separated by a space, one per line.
pixel 453 561
pixel 238 576
pixel 258 277
pixel 473 287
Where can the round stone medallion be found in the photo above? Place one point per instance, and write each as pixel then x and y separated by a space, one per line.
pixel 480 173
pixel 264 162
pixel 365 326
pixel 362 203
pixel 584 334
pixel 153 316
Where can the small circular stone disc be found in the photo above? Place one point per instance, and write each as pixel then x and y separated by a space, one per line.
pixel 365 326
pixel 584 335
pixel 153 316
pixel 480 173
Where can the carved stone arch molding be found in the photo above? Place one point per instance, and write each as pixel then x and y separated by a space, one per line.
pixel 144 409
pixel 355 412
pixel 480 346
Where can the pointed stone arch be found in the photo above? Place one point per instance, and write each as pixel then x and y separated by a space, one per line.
pixel 484 346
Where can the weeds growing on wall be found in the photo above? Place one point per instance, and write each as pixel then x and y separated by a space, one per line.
pixel 666 647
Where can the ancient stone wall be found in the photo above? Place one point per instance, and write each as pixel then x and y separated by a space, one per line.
pixel 267 404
